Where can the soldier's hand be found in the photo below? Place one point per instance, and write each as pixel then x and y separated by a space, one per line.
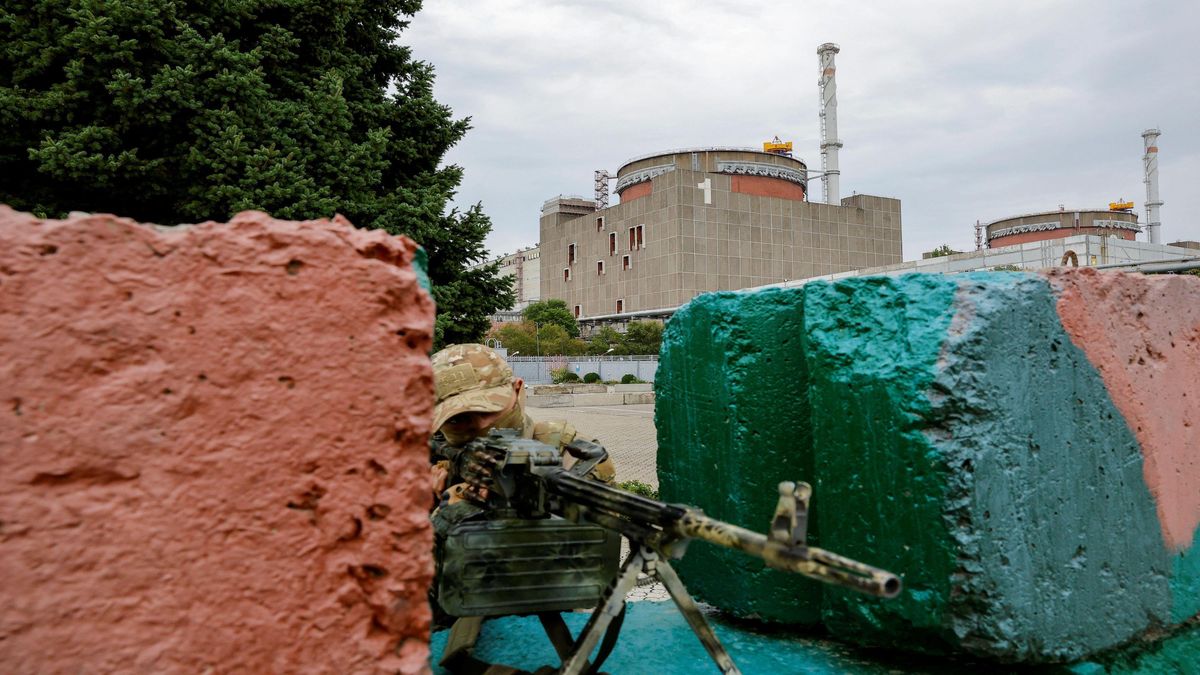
pixel 438 474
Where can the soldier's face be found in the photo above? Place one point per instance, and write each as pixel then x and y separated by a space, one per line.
pixel 467 425
pixel 470 424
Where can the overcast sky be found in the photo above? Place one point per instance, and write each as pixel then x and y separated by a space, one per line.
pixel 963 110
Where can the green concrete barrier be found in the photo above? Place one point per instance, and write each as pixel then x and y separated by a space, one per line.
pixel 732 422
pixel 984 435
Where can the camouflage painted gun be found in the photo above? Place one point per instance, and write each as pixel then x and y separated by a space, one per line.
pixel 523 486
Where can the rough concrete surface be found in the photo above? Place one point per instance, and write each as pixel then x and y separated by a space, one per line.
pixel 992 469
pixel 733 421
pixel 1019 448
pixel 213 447
pixel 1143 336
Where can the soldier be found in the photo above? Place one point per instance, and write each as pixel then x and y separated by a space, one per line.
pixel 476 392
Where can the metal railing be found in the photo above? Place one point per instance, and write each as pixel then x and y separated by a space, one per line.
pixel 535 370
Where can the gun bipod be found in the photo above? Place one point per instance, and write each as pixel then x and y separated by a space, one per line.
pixel 643 559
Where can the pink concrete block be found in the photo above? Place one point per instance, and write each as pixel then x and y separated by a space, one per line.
pixel 213 449
pixel 1142 333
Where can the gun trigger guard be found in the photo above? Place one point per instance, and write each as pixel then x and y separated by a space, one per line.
pixel 587 453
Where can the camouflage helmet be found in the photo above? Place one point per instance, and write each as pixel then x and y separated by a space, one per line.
pixel 470 378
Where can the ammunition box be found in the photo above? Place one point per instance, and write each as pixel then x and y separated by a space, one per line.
pixel 516 566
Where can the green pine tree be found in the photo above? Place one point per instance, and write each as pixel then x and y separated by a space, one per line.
pixel 174 112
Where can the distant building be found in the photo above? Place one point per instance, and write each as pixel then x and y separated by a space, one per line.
pixel 1061 223
pixel 704 219
pixel 1085 250
pixel 524 267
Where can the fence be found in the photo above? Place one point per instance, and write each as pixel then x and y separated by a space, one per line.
pixel 536 370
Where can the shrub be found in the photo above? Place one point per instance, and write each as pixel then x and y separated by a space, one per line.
pixel 637 487
pixel 630 378
pixel 591 378
pixel 563 375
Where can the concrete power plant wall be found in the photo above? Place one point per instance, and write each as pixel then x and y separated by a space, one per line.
pixel 214 447
pixel 1021 448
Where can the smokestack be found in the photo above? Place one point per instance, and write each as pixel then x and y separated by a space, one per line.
pixel 829 132
pixel 1150 163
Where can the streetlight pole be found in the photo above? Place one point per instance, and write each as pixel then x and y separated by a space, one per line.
pixel 537 328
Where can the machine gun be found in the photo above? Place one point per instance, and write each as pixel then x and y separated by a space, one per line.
pixel 526 497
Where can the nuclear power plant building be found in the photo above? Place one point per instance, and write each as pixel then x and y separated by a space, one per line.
pixel 705 219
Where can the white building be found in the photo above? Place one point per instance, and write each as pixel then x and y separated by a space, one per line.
pixel 525 268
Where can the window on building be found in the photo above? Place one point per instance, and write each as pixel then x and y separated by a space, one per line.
pixel 620 306
pixel 578 311
pixel 599 223
pixel 570 254
pixel 632 238
pixel 612 243
pixel 566 274
pixel 641 240
pixel 599 267
pixel 624 262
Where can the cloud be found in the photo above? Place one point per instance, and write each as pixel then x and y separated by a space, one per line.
pixel 964 111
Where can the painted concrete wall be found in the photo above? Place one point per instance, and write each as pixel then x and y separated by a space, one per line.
pixel 213 447
pixel 1019 447
pixel 733 420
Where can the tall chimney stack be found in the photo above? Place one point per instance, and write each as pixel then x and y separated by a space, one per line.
pixel 1150 163
pixel 829 132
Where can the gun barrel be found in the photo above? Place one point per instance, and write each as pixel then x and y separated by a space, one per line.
pixel 810 561
pixel 684 523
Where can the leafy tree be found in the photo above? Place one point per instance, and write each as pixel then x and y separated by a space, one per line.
pixel 177 112
pixel 643 337
pixel 943 250
pixel 604 339
pixel 550 340
pixel 517 337
pixel 552 312
pixel 555 340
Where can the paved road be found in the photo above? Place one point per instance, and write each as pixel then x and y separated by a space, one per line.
pixel 627 431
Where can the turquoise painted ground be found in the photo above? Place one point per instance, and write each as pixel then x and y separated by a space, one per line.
pixel 656 639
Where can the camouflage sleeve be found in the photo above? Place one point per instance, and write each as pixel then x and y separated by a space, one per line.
pixel 559 434
pixel 605 472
